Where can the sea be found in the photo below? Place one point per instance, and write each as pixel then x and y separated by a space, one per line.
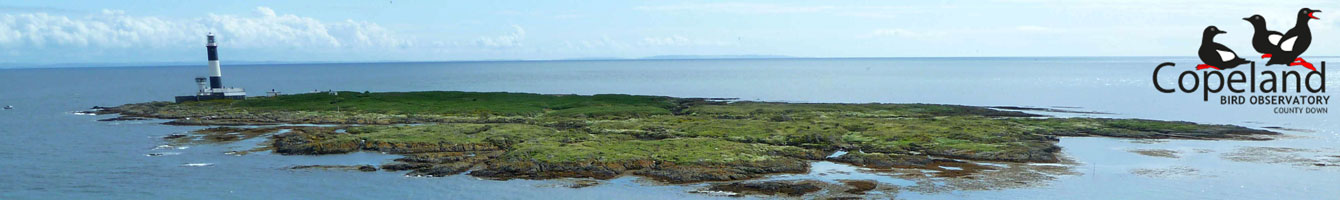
pixel 48 151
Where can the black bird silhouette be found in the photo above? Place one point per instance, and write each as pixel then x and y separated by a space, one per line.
pixel 1295 42
pixel 1265 41
pixel 1215 55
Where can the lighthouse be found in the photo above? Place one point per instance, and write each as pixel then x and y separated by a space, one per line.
pixel 215 90
pixel 215 74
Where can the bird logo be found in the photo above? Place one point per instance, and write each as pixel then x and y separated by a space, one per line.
pixel 1216 56
pixel 1283 48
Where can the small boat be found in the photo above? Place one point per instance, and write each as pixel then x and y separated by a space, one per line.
pixel 9 107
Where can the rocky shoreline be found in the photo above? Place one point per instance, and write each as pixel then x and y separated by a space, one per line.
pixel 671 140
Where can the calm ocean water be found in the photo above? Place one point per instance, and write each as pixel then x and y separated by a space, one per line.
pixel 49 153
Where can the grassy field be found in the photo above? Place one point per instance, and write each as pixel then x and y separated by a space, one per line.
pixel 464 103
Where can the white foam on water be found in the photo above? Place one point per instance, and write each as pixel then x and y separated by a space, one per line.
pixel 163 154
pixel 991 164
pixel 197 164
pixel 715 193
pixel 838 153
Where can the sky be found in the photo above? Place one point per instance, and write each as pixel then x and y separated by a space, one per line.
pixel 62 31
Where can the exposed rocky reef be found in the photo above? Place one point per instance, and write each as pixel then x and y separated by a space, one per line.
pixel 1284 155
pixel 791 188
pixel 1156 152
pixel 365 168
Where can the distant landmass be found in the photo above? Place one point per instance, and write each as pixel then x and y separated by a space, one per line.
pixel 684 57
pixel 674 57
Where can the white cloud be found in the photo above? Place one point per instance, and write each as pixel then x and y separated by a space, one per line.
pixel 1025 30
pixel 265 11
pixel 645 43
pixel 738 8
pixel 513 39
pixel 1032 28
pixel 605 42
pixel 873 15
pixel 871 12
pixel 116 29
pixel 362 33
pixel 903 33
pixel 108 29
pixel 666 41
pixel 677 40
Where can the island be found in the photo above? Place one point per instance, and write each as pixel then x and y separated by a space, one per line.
pixel 499 135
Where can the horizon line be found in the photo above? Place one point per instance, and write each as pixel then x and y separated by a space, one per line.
pixel 4 66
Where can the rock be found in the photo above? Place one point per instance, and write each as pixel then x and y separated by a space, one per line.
pixel 308 166
pixel 690 173
pixel 663 171
pixel 122 118
pixel 1033 151
pixel 531 170
pixel 310 141
pixel 682 175
pixel 1289 129
pixel 411 147
pixel 1156 152
pixel 859 186
pixel 583 183
pixel 96 110
pixel 1174 171
pixel 881 160
pixel 405 166
pixel 792 188
pixel 174 136
pixel 364 168
pixel 944 167
pixel 449 157
pixel 441 170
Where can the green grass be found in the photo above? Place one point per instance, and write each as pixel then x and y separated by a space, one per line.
pixel 880 135
pixel 529 142
pixel 463 103
pixel 872 110
pixel 456 134
pixel 676 150
pixel 611 111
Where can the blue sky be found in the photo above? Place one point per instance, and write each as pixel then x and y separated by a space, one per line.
pixel 60 31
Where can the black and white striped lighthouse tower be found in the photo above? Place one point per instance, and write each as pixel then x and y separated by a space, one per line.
pixel 215 90
pixel 215 74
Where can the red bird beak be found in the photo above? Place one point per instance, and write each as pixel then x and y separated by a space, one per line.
pixel 1313 12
